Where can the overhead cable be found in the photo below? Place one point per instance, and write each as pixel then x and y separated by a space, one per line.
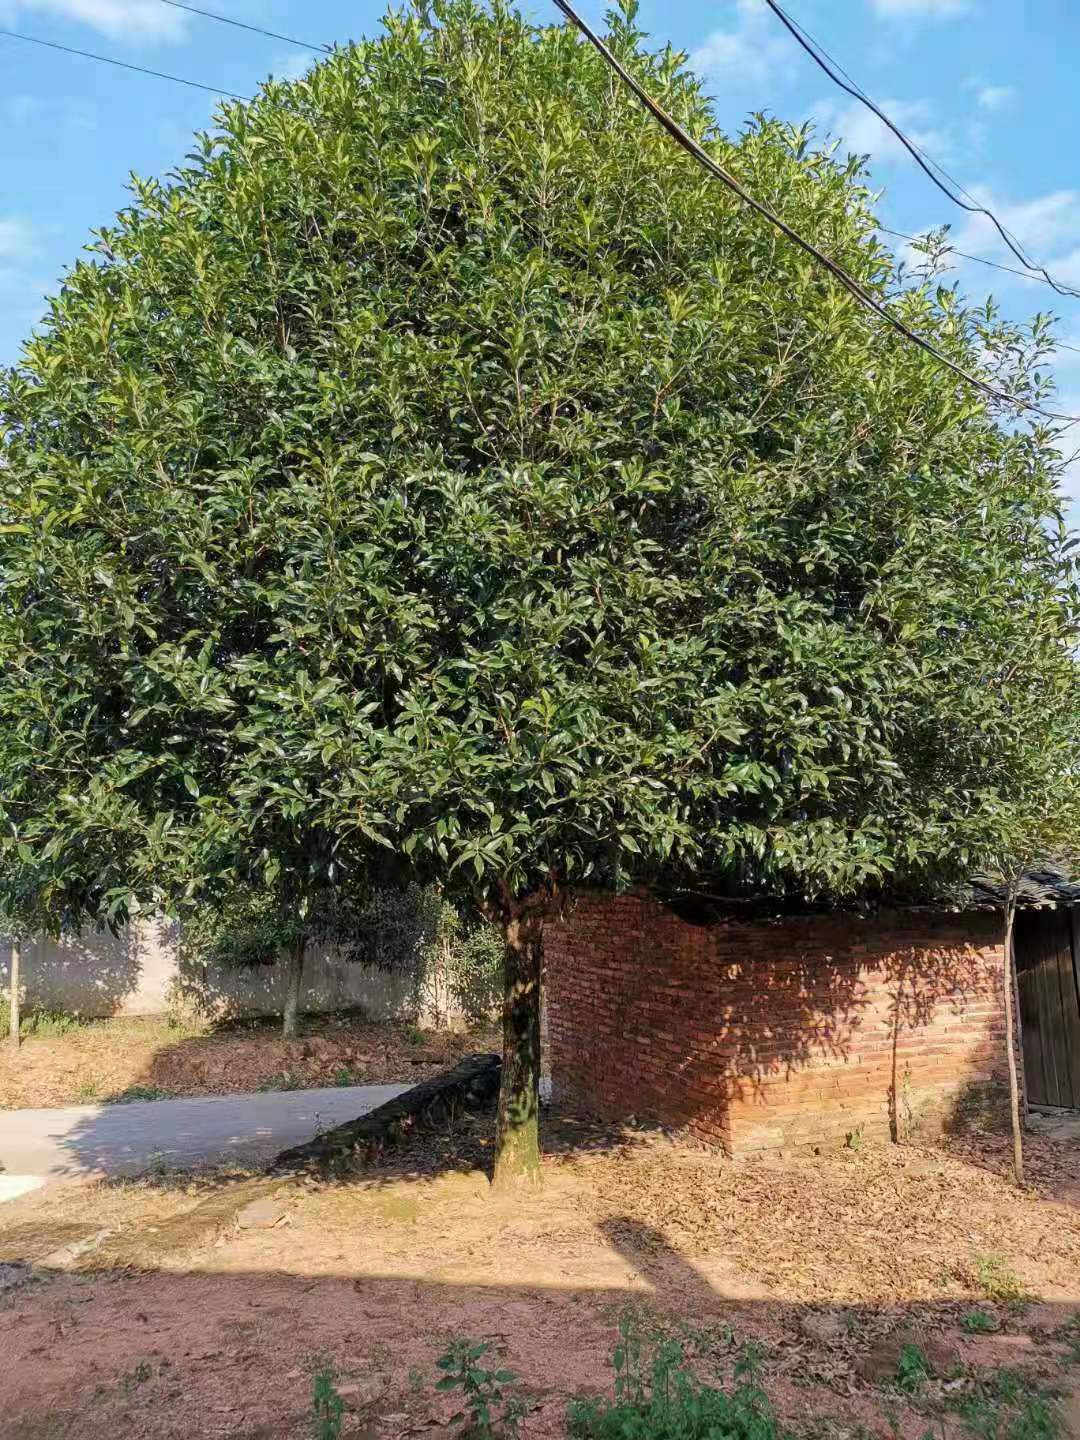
pixel 953 190
pixel 979 260
pixel 121 64
pixel 865 298
pixel 241 25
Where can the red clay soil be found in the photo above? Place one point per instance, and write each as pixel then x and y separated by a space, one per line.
pixel 182 1324
pixel 103 1060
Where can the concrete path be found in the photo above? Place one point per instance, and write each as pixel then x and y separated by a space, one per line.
pixel 131 1139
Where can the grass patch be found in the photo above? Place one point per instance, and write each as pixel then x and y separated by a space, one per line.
pixel 52 1024
pixel 995 1277
pixel 978 1322
pixel 139 1092
pixel 283 1080
pixel 1006 1405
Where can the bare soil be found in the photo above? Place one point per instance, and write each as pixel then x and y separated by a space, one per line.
pixel 180 1323
pixel 148 1059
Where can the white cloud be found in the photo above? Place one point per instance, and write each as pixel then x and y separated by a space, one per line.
pixel 132 20
pixel 921 9
pixel 753 49
pixel 994 97
pixel 1064 268
pixel 14 238
pixel 1068 358
pixel 23 110
pixel 1043 225
pixel 292 65
pixel 860 131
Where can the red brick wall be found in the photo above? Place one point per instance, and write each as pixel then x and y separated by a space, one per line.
pixel 771 1035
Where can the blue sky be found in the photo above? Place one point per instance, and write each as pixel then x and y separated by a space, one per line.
pixel 987 87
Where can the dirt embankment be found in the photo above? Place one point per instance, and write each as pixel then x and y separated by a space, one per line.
pixel 147 1059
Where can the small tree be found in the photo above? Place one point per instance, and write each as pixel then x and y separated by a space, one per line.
pixel 440 469
pixel 29 905
pixel 257 927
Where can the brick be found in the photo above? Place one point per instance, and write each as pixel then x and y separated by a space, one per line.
pixel 773 1035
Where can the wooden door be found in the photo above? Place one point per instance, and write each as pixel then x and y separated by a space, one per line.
pixel 1046 975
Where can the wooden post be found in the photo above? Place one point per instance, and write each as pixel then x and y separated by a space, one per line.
pixel 15 987
pixel 1010 1035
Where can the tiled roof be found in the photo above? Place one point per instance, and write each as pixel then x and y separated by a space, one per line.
pixel 1048 885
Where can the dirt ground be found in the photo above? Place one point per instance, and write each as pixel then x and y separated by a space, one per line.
pixel 176 1321
pixel 147 1059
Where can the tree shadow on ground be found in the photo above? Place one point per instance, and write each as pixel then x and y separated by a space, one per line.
pixel 227 1348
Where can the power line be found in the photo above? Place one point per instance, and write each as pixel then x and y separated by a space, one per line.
pixel 979 260
pixel 913 144
pixel 953 190
pixel 240 25
pixel 122 64
pixel 691 146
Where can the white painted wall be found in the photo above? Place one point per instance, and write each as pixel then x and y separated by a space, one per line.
pixel 138 971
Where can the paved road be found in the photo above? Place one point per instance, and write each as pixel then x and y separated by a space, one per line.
pixel 130 1139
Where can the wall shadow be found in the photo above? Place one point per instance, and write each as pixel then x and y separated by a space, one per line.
pixel 93 974
pixel 145 969
pixel 332 982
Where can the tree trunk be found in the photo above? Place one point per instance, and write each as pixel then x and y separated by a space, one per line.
pixel 517 1133
pixel 15 980
pixel 1010 1040
pixel 294 984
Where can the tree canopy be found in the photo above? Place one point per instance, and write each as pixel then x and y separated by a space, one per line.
pixel 440 468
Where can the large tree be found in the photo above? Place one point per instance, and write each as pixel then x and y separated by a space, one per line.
pixel 440 467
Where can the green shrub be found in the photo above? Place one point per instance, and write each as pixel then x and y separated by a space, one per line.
pixel 453 959
pixel 912 1370
pixel 663 1400
pixel 996 1278
pixel 489 1408
pixel 327 1406
pixel 1007 1405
